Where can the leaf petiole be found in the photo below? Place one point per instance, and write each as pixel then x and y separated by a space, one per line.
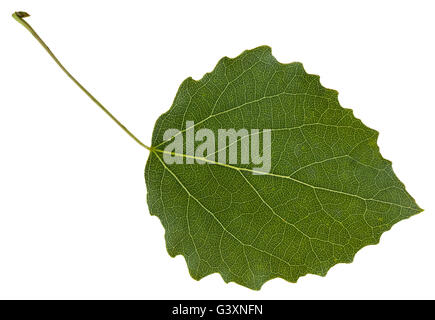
pixel 19 16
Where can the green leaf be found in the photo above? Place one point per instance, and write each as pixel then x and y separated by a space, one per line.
pixel 328 194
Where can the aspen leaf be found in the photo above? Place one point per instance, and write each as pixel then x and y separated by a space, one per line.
pixel 311 195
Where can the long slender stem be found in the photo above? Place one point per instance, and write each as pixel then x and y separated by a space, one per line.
pixel 19 16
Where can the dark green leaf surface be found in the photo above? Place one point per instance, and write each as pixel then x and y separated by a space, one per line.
pixel 329 192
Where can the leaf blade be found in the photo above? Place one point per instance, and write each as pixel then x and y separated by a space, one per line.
pixel 329 192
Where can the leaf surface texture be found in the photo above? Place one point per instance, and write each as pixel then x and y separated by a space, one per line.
pixel 328 194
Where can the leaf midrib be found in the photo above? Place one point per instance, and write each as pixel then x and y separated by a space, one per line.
pixel 279 176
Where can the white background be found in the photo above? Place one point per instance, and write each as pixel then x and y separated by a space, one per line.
pixel 73 216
